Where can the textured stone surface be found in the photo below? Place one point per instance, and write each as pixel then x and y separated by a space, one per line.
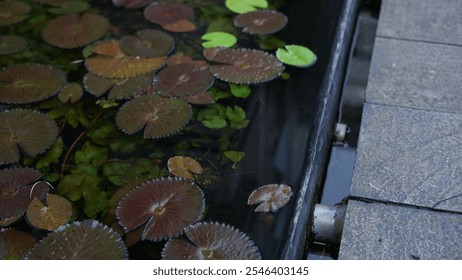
pixel 410 156
pixel 379 231
pixel 416 75
pixel 427 20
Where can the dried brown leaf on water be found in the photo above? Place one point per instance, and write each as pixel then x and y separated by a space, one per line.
pixel 271 197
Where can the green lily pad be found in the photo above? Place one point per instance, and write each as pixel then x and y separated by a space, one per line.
pixel 218 39
pixel 10 44
pixel 245 6
pixel 241 91
pixel 296 55
pixel 234 156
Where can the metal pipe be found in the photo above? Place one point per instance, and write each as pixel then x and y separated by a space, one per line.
pixel 328 223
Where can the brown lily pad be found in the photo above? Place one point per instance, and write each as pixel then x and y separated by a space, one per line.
pixel 271 197
pixel 243 66
pixel 160 116
pixel 148 43
pixel 8 221
pixel 87 240
pixel 11 44
pixel 166 206
pixel 13 12
pixel 261 21
pixel 69 7
pixel 182 80
pixel 31 131
pixel 131 4
pixel 25 83
pixel 14 244
pixel 118 88
pixel 110 61
pixel 201 98
pixel 56 213
pixel 74 30
pixel 71 92
pixel 178 58
pixel 211 241
pixel 184 167
pixel 167 13
pixel 182 25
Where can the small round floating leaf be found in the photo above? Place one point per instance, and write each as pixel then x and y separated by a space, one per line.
pixel 166 206
pixel 31 131
pixel 182 80
pixel 25 83
pixel 162 116
pixel 243 66
pixel 296 55
pixel 167 13
pixel 148 43
pixel 87 240
pixel 244 6
pixel 131 4
pixel 182 25
pixel 184 167
pixel 211 241
pixel 13 12
pixel 201 98
pixel 261 21
pixel 70 7
pixel 14 244
pixel 71 92
pixel 73 31
pixel 218 39
pixel 272 197
pixel 10 44
pixel 57 213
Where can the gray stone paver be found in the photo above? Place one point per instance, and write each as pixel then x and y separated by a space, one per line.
pixel 379 231
pixel 416 75
pixel 427 20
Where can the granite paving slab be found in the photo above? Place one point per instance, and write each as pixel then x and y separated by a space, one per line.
pixel 380 231
pixel 427 20
pixel 409 156
pixel 416 75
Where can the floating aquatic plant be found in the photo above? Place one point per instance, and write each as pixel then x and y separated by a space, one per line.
pixel 184 167
pixel 56 213
pixel 234 156
pixel 261 22
pixel 178 58
pixel 243 66
pixel 218 39
pixel 110 61
pixel 25 83
pixel 87 240
pixel 131 4
pixel 201 98
pixel 245 6
pixel 74 30
pixel 173 17
pixel 211 241
pixel 69 7
pixel 71 92
pixel 296 55
pixel 160 116
pixel 166 206
pixel 11 44
pixel 30 131
pixel 13 12
pixel 271 197
pixel 147 43
pixel 14 244
pixel 118 88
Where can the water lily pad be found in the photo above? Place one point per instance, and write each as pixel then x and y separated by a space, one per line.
pixel 162 116
pixel 13 12
pixel 182 25
pixel 87 240
pixel 15 190
pixel 10 44
pixel 14 244
pixel 71 92
pixel 178 58
pixel 211 241
pixel 182 80
pixel 245 6
pixel 167 13
pixel 74 30
pixel 296 55
pixel 261 21
pixel 243 66
pixel 118 88
pixel 25 83
pixel 7 221
pixel 218 39
pixel 184 167
pixel 56 213
pixel 166 206
pixel 131 4
pixel 201 98
pixel 271 197
pixel 69 7
pixel 110 61
pixel 148 43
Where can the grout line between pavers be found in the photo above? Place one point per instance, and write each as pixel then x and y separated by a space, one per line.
pixel 418 41
pixel 412 108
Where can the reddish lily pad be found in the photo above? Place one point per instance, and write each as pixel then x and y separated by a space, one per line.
pixel 148 43
pixel 178 58
pixel 184 167
pixel 166 206
pixel 14 244
pixel 243 66
pixel 13 12
pixel 182 80
pixel 71 92
pixel 56 213
pixel 261 21
pixel 131 4
pixel 118 88
pixel 211 241
pixel 69 7
pixel 182 25
pixel 25 83
pixel 10 44
pixel 201 98
pixel 17 191
pixel 167 13
pixel 272 197
pixel 9 220
pixel 162 116
pixel 73 31
pixel 110 61
pixel 87 240
pixel 31 131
